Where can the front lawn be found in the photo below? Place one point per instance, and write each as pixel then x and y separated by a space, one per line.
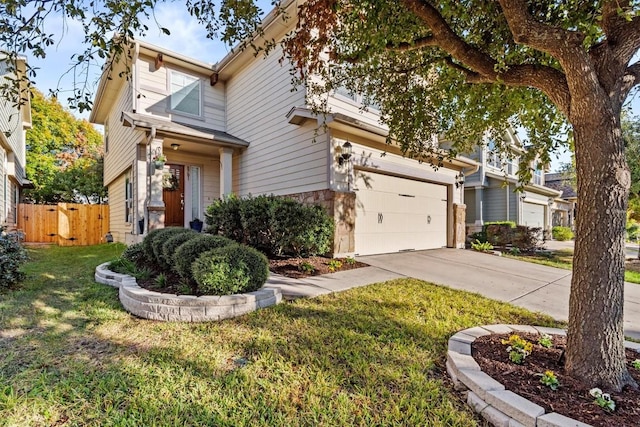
pixel 563 258
pixel 369 356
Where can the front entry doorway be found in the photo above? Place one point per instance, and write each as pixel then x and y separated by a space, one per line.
pixel 173 195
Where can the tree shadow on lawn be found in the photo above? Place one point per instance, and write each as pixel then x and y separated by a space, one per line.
pixel 372 355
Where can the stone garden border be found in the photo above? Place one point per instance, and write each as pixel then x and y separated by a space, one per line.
pixel 487 396
pixel 183 308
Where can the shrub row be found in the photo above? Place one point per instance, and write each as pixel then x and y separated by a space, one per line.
pixel 506 233
pixel 210 265
pixel 561 233
pixel 12 256
pixel 273 225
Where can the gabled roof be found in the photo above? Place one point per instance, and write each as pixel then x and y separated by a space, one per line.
pixel 184 131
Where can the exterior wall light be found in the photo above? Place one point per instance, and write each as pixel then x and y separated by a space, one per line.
pixel 346 153
pixel 175 147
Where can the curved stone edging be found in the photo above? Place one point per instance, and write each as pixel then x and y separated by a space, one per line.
pixel 185 308
pixel 487 396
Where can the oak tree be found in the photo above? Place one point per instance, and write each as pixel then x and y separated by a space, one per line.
pixel 457 69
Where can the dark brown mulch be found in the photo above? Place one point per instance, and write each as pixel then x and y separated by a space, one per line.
pixel 633 265
pixel 572 398
pixel 290 267
pixel 293 267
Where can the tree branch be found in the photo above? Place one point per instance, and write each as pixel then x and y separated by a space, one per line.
pixel 415 45
pixel 479 67
pixel 630 80
pixel 527 30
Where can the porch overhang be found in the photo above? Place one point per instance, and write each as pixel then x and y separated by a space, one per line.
pixel 171 129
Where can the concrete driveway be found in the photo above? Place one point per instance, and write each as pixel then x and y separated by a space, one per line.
pixel 532 286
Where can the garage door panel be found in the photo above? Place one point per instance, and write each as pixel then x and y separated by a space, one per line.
pixel 413 213
pixel 532 214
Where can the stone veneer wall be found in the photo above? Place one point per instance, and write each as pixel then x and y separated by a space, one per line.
pixel 340 206
pixel 459 226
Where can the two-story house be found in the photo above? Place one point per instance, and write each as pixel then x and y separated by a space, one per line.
pixel 491 194
pixel 237 127
pixel 15 119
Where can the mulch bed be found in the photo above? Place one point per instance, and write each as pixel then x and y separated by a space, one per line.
pixel 290 267
pixel 293 267
pixel 572 398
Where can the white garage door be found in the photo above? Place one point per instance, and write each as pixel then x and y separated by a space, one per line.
pixel 395 214
pixel 532 215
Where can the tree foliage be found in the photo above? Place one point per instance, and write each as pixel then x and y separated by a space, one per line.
pixel 64 155
pixel 458 69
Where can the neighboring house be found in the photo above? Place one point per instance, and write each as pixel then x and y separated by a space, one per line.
pixel 237 127
pixel 490 194
pixel 565 206
pixel 15 119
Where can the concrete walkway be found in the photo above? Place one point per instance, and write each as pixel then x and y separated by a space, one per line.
pixel 532 286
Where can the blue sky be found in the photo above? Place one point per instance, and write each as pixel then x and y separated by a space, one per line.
pixel 187 37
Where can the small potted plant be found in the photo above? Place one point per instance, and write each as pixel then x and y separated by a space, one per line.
pixel 159 161
pixel 196 224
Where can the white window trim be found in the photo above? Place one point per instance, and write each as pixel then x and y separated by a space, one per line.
pixel 170 73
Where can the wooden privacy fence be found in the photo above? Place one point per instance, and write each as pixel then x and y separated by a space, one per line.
pixel 65 224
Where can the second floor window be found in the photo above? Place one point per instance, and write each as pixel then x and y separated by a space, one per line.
pixel 185 94
pixel 537 174
pixel 494 159
pixel 357 98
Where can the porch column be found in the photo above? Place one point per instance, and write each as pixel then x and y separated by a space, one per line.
pixel 226 169
pixel 155 205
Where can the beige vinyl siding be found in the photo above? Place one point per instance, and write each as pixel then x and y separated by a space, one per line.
pixel 117 224
pixel 122 140
pixel 12 127
pixel 4 186
pixel 343 105
pixel 282 157
pixel 12 208
pixel 379 159
pixel 154 95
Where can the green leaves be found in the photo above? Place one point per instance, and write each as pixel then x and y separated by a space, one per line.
pixel 64 155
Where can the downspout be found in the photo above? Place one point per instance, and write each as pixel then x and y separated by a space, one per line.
pixel 468 171
pixel 152 136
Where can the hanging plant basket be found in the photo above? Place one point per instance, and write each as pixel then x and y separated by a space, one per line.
pixel 158 164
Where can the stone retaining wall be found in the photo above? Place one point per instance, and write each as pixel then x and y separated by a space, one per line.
pixel 185 308
pixel 487 396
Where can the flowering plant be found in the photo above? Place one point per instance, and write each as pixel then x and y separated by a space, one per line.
pixel 518 348
pixel 545 340
pixel 603 400
pixel 550 380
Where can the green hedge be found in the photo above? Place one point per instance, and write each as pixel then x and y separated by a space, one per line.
pixel 229 270
pixel 274 225
pixel 189 251
pixel 12 256
pixel 561 233
pixel 170 246
pixel 158 241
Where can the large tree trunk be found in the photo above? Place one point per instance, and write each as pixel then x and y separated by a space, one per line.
pixel 595 347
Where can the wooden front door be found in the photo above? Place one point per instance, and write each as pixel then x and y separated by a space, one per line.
pixel 173 195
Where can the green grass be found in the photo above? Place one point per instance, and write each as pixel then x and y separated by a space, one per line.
pixel 370 356
pixel 563 258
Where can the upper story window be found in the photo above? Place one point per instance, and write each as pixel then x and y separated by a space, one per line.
pixel 186 94
pixel 537 174
pixel 494 159
pixel 357 98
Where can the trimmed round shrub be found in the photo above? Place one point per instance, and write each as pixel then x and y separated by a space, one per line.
pixel 160 239
pixel 170 246
pixel 189 251
pixel 147 243
pixel 134 253
pixel 230 270
pixel 12 256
